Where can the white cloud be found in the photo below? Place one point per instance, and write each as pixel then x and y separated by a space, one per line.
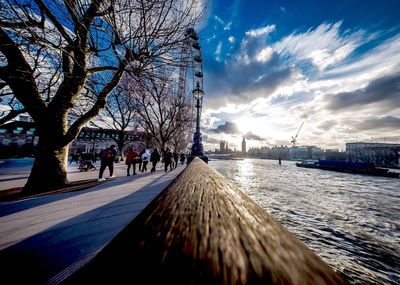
pixel 218 51
pixel 385 58
pixel 219 20
pixel 232 39
pixel 228 26
pixel 323 69
pixel 261 31
pixel 265 54
pixel 324 46
pixel 211 38
pixel 324 58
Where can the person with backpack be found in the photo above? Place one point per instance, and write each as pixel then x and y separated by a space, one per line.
pixel 107 157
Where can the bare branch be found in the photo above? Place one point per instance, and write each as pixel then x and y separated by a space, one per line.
pixel 11 115
pixel 101 68
pixel 20 77
pixel 2 84
pixel 54 20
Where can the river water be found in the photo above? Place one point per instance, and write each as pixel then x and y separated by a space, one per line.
pixel 351 221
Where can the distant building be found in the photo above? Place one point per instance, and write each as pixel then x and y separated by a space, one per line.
pixel 244 145
pixel 18 139
pixel 335 154
pixel 93 140
pixel 223 146
pixel 275 152
pixel 381 154
pixel 305 152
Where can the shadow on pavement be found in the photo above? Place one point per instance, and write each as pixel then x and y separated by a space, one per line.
pixel 44 255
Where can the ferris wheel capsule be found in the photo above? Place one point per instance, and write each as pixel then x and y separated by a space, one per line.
pixel 196 45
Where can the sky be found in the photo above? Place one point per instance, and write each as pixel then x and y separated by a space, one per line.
pixel 271 65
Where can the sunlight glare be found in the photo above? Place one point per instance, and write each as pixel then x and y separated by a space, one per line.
pixel 253 125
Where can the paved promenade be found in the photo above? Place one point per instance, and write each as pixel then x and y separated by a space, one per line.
pixel 17 174
pixel 47 237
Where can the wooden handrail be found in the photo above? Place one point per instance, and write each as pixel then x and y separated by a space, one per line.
pixel 203 230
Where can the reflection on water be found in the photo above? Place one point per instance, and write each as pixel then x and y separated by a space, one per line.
pixel 352 221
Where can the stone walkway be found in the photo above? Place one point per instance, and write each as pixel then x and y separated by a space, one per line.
pixel 17 176
pixel 48 237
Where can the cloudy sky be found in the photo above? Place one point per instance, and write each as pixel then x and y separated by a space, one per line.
pixel 271 65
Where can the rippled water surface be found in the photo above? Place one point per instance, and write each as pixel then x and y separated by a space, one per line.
pixel 351 221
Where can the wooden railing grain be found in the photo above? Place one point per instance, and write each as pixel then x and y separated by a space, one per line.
pixel 203 230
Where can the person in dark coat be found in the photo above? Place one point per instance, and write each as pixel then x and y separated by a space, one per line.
pixel 176 158
pixel 107 157
pixel 74 157
pixel 154 158
pixel 182 158
pixel 168 159
pixel 140 161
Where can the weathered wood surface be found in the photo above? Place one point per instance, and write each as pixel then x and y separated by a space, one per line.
pixel 203 230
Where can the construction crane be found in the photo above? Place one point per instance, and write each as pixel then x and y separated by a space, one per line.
pixel 295 137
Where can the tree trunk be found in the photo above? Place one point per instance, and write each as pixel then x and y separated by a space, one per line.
pixel 49 169
pixel 121 144
pixel 162 145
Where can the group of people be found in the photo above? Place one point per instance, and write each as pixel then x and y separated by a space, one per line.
pixel 134 157
pixel 142 159
pixel 169 158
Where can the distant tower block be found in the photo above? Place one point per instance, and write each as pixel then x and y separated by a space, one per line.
pixel 244 145
pixel 222 146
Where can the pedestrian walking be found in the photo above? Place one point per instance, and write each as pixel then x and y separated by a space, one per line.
pixel 168 159
pixel 135 160
pixel 176 158
pixel 182 158
pixel 130 160
pixel 154 158
pixel 107 157
pixel 139 161
pixel 145 160
pixel 74 157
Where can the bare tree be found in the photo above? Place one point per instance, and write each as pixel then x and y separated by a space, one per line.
pixel 120 114
pixel 164 112
pixel 51 51
pixel 182 136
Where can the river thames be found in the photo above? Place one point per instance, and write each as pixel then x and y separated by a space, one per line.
pixel 351 221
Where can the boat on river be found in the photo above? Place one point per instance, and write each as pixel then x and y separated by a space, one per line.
pixel 349 167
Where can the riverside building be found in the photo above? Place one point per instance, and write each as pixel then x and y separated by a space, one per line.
pixel 381 154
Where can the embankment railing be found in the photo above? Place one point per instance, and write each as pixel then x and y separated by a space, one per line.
pixel 203 230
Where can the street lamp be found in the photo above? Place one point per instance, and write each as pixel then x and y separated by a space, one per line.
pixel 197 147
pixel 197 92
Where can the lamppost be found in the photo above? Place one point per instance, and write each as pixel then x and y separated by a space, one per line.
pixel 198 93
pixel 197 147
